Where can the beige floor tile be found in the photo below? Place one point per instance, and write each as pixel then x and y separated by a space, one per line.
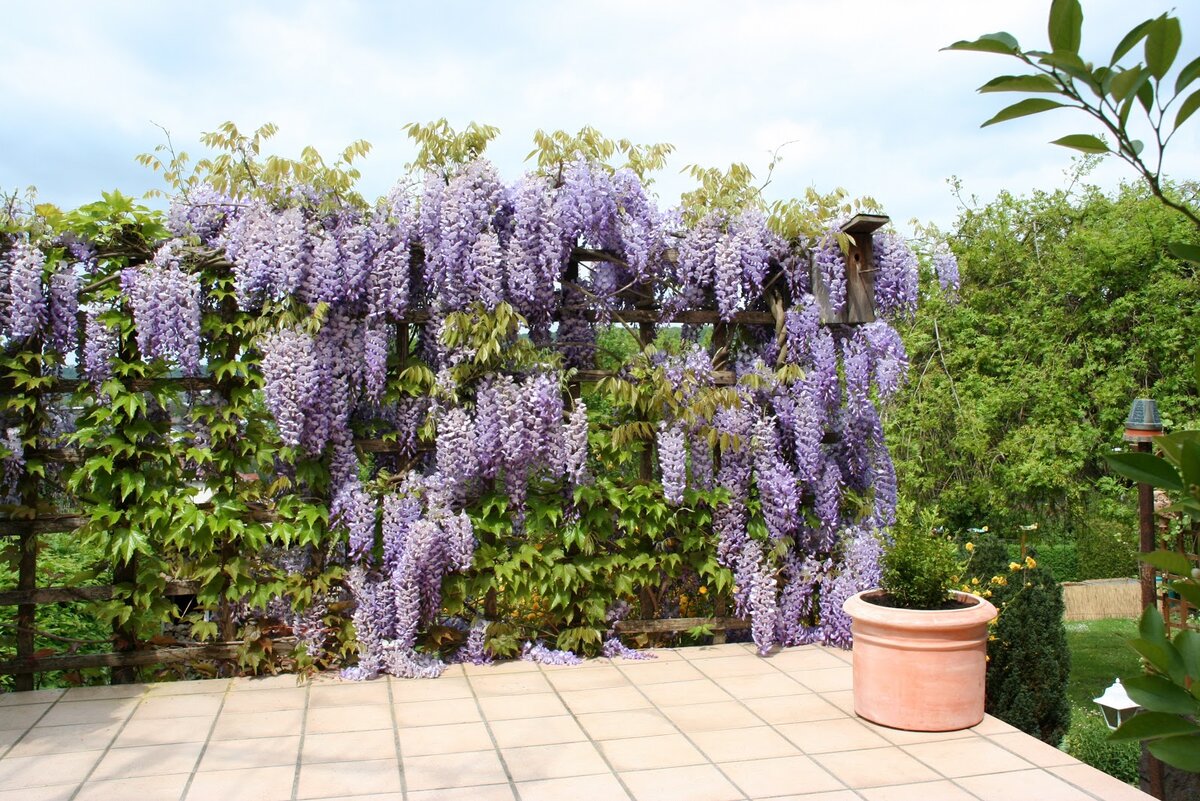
pixel 324 779
pixel 731 745
pixel 902 737
pixel 1033 750
pixel 991 725
pixel 823 736
pixel 954 758
pixel 826 679
pixel 500 668
pixel 9 737
pixel 709 717
pixel 515 684
pixel 256 683
pixel 165 707
pixel 374 744
pixel 492 792
pixel 875 767
pixel 766 685
pixel 265 701
pixel 696 653
pixel 104 692
pixel 144 788
pixel 258 724
pixel 510 707
pixel 370 797
pixel 261 752
pixel 1099 784
pixel 555 761
pixel 693 783
pixel 452 738
pixel 58 792
pixel 793 709
pixel 922 791
pixel 741 665
pixel 404 690
pixel 147 760
pixel 437 713
pixel 664 654
pixel 609 699
pixel 193 687
pixel 348 718
pixel 626 723
pixel 536 731
pixel 643 673
pixel 153 732
pixel 108 711
pixel 587 664
pixel 603 787
pixel 1024 784
pixel 842 699
pixel 350 693
pixel 832 795
pixel 46 771
pixel 648 753
pixel 29 697
pixel 587 679
pixel 760 778
pixel 453 770
pixel 25 715
pixel 256 784
pixel 681 693
pixel 65 739
pixel 805 657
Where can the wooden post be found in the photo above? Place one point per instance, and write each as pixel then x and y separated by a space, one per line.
pixel 1146 533
pixel 26 613
pixel 860 274
pixel 124 634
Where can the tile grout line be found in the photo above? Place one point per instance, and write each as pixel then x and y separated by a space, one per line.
pixel 116 736
pixel 187 785
pixel 395 737
pixel 487 726
pixel 594 743
pixel 1049 769
pixel 31 726
pixel 300 748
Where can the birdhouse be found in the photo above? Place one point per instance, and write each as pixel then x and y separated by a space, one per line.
pixel 860 274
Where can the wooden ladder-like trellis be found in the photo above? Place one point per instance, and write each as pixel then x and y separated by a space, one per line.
pixel 27 596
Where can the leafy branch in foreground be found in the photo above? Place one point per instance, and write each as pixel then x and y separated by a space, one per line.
pixel 1108 93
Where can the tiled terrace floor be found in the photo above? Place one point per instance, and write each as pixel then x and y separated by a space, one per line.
pixel 696 724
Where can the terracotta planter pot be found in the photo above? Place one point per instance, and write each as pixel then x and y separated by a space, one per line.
pixel 920 670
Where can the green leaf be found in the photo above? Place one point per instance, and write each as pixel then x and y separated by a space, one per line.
pixel 1021 83
pixel 1188 74
pixel 1066 20
pixel 1182 752
pixel 1162 45
pixel 1147 725
pixel 1187 108
pixel 1130 41
pixel 1000 42
pixel 1085 143
pixel 1159 694
pixel 1145 468
pixel 1186 252
pixel 1187 643
pixel 1126 83
pixel 1189 463
pixel 1171 562
pixel 1151 625
pixel 1033 105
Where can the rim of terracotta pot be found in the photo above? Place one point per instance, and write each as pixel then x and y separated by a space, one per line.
pixel 980 612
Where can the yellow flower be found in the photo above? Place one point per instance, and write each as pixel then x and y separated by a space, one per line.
pixel 974 581
pixel 970 546
pixel 702 590
pixel 999 581
pixel 1029 563
pixel 1014 565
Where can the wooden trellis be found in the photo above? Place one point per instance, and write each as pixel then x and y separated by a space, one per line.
pixel 27 596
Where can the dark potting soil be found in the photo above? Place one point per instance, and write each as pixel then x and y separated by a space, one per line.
pixel 883 599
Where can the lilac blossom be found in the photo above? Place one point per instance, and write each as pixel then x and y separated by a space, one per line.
pixel 28 311
pixel 166 307
pixel 776 481
pixel 537 652
pixel 945 266
pixel 895 276
pixel 575 445
pixel 830 264
pixel 613 648
pixel 534 254
pixel 99 349
pixel 672 462
pixel 353 509
pixel 12 469
pixel 473 651
pixel 201 211
pixel 64 310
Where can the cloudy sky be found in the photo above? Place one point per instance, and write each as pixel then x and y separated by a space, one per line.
pixel 859 90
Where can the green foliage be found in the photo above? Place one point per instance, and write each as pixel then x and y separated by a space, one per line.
pixel 1108 93
pixel 1021 386
pixel 1087 740
pixel 1028 659
pixel 921 566
pixel 1059 559
pixel 440 147
pixel 554 149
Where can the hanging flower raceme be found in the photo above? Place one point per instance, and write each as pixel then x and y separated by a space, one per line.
pixel 895 276
pixel 945 266
pixel 64 311
pixel 28 311
pixel 165 300
pixel 575 445
pixel 830 264
pixel 672 462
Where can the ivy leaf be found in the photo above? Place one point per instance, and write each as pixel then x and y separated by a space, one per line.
pixel 1033 105
pixel 1066 21
pixel 1085 143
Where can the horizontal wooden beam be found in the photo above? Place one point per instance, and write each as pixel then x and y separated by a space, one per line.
pixel 142 658
pixel 680 624
pixel 57 595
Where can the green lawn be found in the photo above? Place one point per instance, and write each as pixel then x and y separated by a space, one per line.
pixel 1100 652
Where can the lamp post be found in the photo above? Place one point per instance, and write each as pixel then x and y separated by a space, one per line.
pixel 1141 427
pixel 1116 705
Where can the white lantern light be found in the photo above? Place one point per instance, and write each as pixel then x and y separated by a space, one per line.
pixel 1116 705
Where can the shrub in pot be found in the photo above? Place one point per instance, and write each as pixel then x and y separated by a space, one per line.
pixel 920 647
